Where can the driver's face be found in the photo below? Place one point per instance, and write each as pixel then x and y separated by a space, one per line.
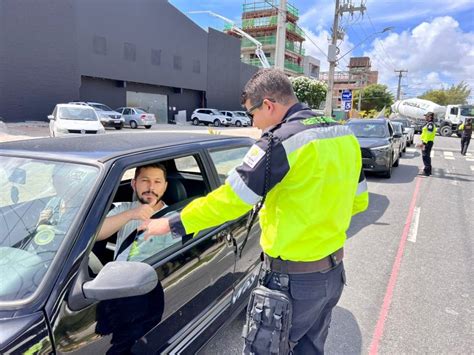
pixel 150 185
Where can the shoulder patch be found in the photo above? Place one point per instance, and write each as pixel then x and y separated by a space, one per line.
pixel 254 155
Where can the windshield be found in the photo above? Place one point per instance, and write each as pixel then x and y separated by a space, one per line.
pixel 39 200
pixel 216 112
pixel 403 122
pixel 368 129
pixel 140 110
pixel 397 127
pixel 80 113
pixel 467 111
pixel 241 114
pixel 101 107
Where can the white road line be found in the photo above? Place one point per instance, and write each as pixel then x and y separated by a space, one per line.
pixel 469 159
pixel 414 225
pixel 432 154
pixel 472 167
pixel 468 154
pixel 448 153
pixel 411 150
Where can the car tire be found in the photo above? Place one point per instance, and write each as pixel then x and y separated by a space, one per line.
pixel 397 162
pixel 148 126
pixel 195 121
pixel 446 131
pixel 133 124
pixel 388 173
pixel 217 123
pixel 238 123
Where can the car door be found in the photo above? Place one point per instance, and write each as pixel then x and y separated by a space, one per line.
pixel 248 255
pixel 196 278
pixel 126 115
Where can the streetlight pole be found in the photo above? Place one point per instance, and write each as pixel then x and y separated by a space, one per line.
pixel 332 61
pixel 332 49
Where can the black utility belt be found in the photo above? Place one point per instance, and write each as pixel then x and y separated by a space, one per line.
pixel 303 267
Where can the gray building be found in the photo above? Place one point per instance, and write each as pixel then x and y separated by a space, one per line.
pixel 129 52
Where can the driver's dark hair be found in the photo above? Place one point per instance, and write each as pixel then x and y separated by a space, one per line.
pixel 268 83
pixel 153 165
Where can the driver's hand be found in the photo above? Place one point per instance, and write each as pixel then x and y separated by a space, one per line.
pixel 45 215
pixel 155 227
pixel 142 212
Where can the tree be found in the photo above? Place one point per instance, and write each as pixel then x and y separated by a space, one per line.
pixel 374 97
pixel 310 91
pixel 455 95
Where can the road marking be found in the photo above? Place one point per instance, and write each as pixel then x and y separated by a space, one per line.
pixel 448 153
pixel 468 154
pixel 472 167
pixel 449 158
pixel 411 150
pixel 387 300
pixel 469 159
pixel 432 154
pixel 414 225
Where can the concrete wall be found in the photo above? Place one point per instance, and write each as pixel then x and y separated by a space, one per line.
pixel 38 58
pixel 54 51
pixel 145 41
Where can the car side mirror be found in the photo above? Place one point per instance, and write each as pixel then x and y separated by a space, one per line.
pixel 51 117
pixel 120 279
pixel 397 135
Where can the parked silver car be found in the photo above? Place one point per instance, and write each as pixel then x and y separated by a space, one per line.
pixel 135 117
pixel 408 129
pixel 209 116
pixel 237 118
pixel 107 116
pixel 398 129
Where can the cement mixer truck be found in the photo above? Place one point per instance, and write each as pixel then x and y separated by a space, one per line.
pixel 447 118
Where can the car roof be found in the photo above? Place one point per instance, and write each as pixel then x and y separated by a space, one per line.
pixel 89 149
pixel 75 106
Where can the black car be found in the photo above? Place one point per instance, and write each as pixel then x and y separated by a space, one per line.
pixel 380 145
pixel 61 292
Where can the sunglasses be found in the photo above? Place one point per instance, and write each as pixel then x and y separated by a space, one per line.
pixel 249 112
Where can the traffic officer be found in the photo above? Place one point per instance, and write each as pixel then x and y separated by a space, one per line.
pixel 428 133
pixel 315 185
pixel 466 133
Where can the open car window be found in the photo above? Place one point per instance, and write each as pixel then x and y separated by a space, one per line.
pixel 186 180
pixel 39 202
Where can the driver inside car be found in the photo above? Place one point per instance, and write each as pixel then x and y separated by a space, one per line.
pixel 149 186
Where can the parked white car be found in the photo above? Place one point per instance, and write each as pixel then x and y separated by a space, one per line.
pixel 209 116
pixel 135 117
pixel 69 119
pixel 237 118
pixel 107 116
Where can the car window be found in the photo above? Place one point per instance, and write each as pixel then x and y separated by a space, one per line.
pixel 79 113
pixel 39 201
pixel 368 129
pixel 126 111
pixel 139 110
pixel 185 181
pixel 187 164
pixel 101 107
pixel 390 129
pixel 226 160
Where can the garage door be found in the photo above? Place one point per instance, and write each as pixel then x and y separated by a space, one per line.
pixel 153 103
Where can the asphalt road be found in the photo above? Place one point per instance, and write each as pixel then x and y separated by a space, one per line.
pixel 408 259
pixel 408 264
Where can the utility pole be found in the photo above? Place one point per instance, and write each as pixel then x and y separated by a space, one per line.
pixel 337 33
pixel 280 36
pixel 400 71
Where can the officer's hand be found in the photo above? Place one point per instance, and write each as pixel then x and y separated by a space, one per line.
pixel 142 212
pixel 155 227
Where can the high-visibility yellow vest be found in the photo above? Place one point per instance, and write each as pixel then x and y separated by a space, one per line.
pixel 316 186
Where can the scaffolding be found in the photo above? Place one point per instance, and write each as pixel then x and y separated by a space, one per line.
pixel 260 20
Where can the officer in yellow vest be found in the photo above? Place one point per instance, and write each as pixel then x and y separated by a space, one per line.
pixel 315 186
pixel 466 133
pixel 428 133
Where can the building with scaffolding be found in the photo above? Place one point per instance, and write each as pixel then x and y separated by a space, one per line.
pixel 357 77
pixel 260 20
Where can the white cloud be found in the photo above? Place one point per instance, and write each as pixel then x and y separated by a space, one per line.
pixel 436 54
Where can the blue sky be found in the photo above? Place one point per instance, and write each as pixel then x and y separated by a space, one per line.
pixel 433 40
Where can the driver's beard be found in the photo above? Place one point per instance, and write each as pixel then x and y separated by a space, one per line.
pixel 145 202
